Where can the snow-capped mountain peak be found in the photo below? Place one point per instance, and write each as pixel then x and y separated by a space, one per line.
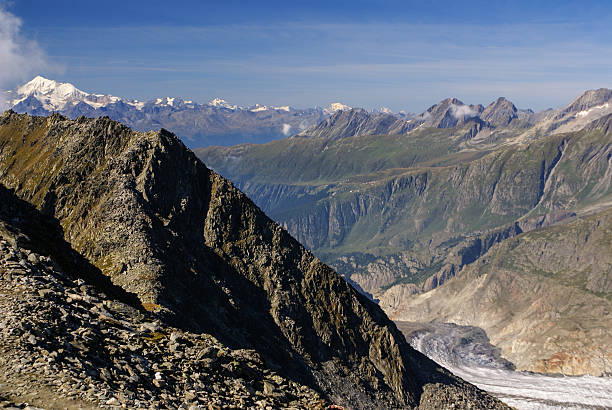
pixel 53 95
pixel 38 84
pixel 221 103
pixel 336 106
pixel 56 96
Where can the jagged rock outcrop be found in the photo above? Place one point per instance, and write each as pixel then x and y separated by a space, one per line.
pixel 499 113
pixel 144 211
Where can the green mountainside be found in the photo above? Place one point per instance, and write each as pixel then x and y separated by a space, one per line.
pixel 414 208
pixel 358 199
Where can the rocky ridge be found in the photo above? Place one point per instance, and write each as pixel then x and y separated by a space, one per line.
pixel 201 258
pixel 66 344
pixel 357 121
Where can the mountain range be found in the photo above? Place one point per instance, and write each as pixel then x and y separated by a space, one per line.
pixel 488 217
pixel 215 123
pixel 457 214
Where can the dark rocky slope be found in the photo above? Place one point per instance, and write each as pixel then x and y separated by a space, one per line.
pixel 66 344
pixel 197 253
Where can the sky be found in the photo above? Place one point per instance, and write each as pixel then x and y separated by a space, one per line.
pixel 405 55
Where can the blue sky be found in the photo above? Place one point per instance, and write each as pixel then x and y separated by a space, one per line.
pixel 403 55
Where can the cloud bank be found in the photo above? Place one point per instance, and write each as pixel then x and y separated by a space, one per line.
pixel 19 56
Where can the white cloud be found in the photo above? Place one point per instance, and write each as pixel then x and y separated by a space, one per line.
pixel 20 58
pixel 286 129
pixel 462 111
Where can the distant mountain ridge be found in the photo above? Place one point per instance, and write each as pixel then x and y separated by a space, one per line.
pixel 222 123
pixel 215 123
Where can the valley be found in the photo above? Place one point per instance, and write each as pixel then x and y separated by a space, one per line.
pixel 486 220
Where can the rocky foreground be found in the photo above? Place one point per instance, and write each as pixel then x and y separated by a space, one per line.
pixel 66 344
pixel 134 276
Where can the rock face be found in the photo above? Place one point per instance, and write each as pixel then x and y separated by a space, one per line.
pixel 201 258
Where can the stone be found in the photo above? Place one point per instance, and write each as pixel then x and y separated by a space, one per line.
pixel 113 401
pixel 46 293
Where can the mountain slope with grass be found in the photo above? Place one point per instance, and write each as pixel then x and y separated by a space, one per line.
pixel 402 214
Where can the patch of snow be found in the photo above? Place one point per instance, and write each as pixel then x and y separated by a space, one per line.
pixel 91 104
pixel 286 129
pixel 283 108
pixel 590 110
pixel 259 108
